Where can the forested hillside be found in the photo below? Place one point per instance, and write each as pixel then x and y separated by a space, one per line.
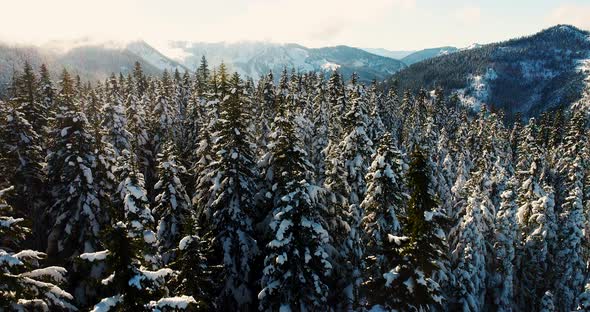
pixel 209 192
pixel 528 75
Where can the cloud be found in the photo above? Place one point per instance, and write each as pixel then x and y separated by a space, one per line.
pixel 309 22
pixel 577 15
pixel 312 21
pixel 468 15
pixel 327 32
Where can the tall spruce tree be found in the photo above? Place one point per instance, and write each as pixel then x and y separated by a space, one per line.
pixel 173 207
pixel 383 205
pixel 297 263
pixel 24 284
pixel 232 206
pixel 423 249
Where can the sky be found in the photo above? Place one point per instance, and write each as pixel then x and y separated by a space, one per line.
pixel 390 24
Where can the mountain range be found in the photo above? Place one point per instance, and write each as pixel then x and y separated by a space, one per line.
pixel 93 60
pixel 529 75
pixel 255 59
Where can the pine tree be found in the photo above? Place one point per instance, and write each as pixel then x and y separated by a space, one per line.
pixel 422 250
pixel 47 95
pixel 297 262
pixel 205 155
pixel 202 77
pixel 572 250
pixel 173 206
pixel 347 167
pixel 114 122
pixel 268 110
pixel 139 139
pixel 136 210
pixel 76 214
pixel 163 114
pixel 584 299
pixel 24 284
pixel 22 162
pixel 320 134
pixel 336 105
pixel 469 254
pixel 547 303
pixel 28 100
pixel 140 81
pixel 536 219
pixel 129 286
pixel 196 276
pixel 504 251
pixel 232 207
pixel 383 204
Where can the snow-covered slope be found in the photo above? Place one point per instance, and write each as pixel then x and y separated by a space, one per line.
pixel 425 54
pixel 398 55
pixel 153 56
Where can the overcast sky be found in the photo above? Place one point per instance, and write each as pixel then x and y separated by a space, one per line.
pixel 391 24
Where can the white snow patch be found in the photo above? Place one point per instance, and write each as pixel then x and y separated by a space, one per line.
pixel 57 274
pixel 330 66
pixel 94 256
pixel 184 242
pixel 180 302
pixel 106 304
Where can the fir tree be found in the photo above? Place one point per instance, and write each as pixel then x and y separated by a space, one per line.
pixel 24 284
pixel 129 286
pixel 504 251
pixel 28 100
pixel 22 162
pixel 383 204
pixel 114 122
pixel 232 207
pixel 172 204
pixel 196 276
pixel 76 215
pixel 536 219
pixel 423 250
pixel 297 262
pixel 572 250
pixel 136 210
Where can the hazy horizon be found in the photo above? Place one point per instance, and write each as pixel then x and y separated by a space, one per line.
pixel 390 24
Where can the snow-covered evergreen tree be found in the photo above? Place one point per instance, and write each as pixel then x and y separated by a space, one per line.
pixel 506 238
pixel 172 205
pixel 232 205
pixel 24 284
pixel 347 167
pixel 130 286
pixel 422 246
pixel 547 303
pixel 572 252
pixel 536 219
pixel 297 262
pixel 136 210
pixel 47 94
pixel 76 215
pixel 28 100
pixel 21 164
pixel 383 203
pixel 114 121
pixel 195 275
pixel 469 253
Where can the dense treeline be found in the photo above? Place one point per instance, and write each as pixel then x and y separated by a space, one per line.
pixel 206 191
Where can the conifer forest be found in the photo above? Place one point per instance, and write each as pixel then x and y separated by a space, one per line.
pixel 300 191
